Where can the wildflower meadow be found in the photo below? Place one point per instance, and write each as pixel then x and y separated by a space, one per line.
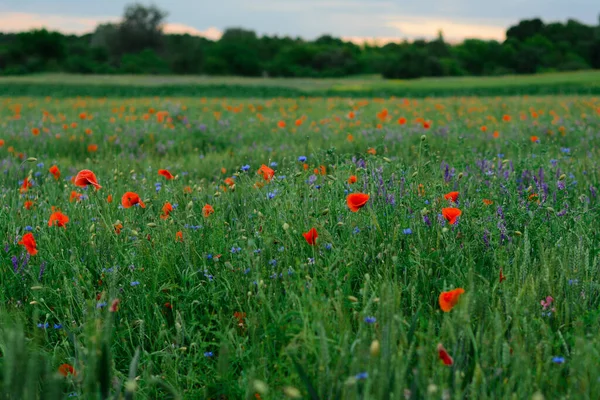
pixel 302 248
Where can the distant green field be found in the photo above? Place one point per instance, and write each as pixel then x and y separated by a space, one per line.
pixel 63 85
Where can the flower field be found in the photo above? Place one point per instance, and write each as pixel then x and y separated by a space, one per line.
pixel 317 248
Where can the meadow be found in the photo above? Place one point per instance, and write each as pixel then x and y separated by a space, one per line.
pixel 299 247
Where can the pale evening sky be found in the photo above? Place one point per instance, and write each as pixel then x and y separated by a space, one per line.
pixel 351 19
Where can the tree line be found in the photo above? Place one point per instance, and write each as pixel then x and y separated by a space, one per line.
pixel 137 45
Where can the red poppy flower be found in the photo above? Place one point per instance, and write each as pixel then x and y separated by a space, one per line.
pixel 29 242
pixel 311 236
pixel 25 185
pixel 443 355
pixel 59 219
pixel 167 208
pixel 86 177
pixel 356 201
pixel 207 210
pixel 266 172
pixel 66 370
pixel 449 299
pixel 179 236
pixel 451 214
pixel 55 172
pixel 166 174
pixel 114 306
pixel 75 196
pixel 452 196
pixel 28 204
pixel 130 199
pixel 352 179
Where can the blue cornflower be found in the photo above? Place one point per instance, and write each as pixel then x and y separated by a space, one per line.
pixel 558 360
pixel 40 165
pixel 257 251
pixel 101 305
pixel 328 246
pixel 565 150
pixel 208 276
pixel 43 326
pixel 273 164
pixel 28 228
pixel 361 376
pixel 302 158
pixel 273 262
pixel 246 271
pixel 370 320
pixel 57 326
pixel 356 230
pixel 209 256
pixel 270 195
pixel 208 354
pixel 134 283
pixel 236 249
pixel 245 168
pixel 407 231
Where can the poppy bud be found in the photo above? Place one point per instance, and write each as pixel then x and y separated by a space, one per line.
pixel 151 225
pixel 325 211
pixel 550 209
pixel 423 138
pixel 415 174
pixel 130 386
pixel 189 206
pixel 260 387
pixel 562 177
pixel 353 299
pixel 375 348
pixel 31 159
pixel 387 160
pixel 460 176
pixel 286 226
pixel 518 233
pixel 292 392
pixel 92 228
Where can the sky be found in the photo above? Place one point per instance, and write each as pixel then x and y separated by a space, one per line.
pixel 356 20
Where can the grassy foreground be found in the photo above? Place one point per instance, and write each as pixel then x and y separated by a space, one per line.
pixel 61 85
pixel 216 287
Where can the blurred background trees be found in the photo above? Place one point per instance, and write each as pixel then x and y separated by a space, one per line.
pixel 138 45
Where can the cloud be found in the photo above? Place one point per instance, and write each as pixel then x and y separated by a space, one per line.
pixel 20 21
pixel 211 33
pixel 453 31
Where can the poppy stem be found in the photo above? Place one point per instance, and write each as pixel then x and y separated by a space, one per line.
pixel 374 218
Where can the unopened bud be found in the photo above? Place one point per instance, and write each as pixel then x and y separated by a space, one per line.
pixel 375 348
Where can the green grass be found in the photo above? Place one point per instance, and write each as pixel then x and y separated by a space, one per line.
pixel 585 82
pixel 243 306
